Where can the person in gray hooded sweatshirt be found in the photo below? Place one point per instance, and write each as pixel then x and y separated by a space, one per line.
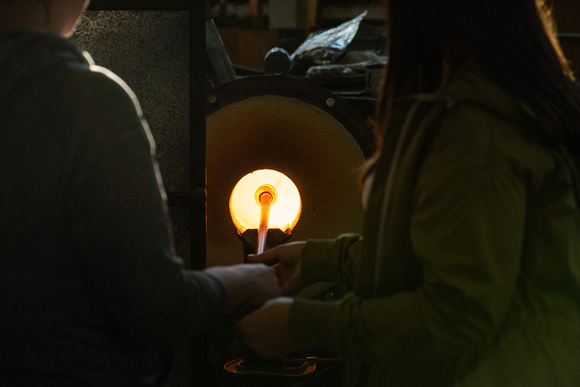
pixel 91 292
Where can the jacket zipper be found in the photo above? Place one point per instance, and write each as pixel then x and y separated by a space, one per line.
pixel 388 192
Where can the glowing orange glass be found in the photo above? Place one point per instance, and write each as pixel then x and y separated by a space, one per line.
pixel 246 198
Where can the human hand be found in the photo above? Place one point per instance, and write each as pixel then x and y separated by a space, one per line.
pixel 266 331
pixel 287 258
pixel 246 285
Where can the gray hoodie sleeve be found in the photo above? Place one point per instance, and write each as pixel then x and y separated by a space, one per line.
pixel 118 215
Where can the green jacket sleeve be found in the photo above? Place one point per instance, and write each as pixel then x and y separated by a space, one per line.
pixel 332 260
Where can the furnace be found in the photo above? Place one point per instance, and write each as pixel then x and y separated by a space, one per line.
pixel 296 128
pixel 283 158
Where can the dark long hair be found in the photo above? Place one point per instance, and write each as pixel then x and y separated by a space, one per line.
pixel 513 41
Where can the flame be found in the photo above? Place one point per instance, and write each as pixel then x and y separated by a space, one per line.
pixel 244 201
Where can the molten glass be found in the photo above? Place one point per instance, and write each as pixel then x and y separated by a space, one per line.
pixel 252 190
pixel 265 199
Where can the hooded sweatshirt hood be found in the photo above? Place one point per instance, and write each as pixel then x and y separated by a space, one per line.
pixel 23 54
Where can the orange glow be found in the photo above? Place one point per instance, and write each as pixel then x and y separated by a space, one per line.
pixel 245 201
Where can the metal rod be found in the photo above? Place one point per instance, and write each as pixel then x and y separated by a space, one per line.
pixel 265 201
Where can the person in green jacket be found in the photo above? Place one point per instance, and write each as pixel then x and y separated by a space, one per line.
pixel 467 272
